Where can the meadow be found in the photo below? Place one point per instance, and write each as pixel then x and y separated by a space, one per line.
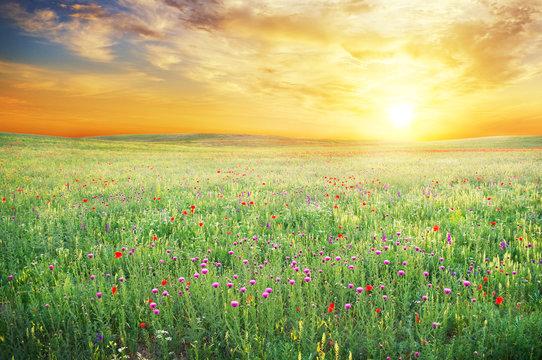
pixel 255 248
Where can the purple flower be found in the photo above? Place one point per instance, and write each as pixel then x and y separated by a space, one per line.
pixel 215 285
pixel 99 294
pixel 447 291
pixel 466 283
pixel 401 273
pixel 347 306
pixel 234 303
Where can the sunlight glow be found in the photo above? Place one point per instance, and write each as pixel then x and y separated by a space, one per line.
pixel 401 115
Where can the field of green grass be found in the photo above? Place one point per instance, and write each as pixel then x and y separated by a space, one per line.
pixel 238 247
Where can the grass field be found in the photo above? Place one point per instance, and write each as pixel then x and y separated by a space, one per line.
pixel 251 247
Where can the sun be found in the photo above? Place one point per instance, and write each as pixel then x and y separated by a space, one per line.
pixel 401 115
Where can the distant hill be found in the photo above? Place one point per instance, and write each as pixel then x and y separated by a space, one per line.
pixel 222 139
pixel 217 140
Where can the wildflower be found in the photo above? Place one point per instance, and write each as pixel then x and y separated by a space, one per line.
pixel 331 307
pixel 425 297
pixel 243 289
pixel 307 279
pixel 499 300
pixel 368 287
pixel 99 295
pixel 400 273
pixel 426 274
pixel 291 282
pixel 10 277
pixel 265 295
pixel 181 279
pixel 118 254
pixel 269 290
pixel 378 310
pixel 436 228
pixel 215 285
pixel 142 325
pixel 152 305
pixel 165 293
pixel 347 306
pixel 447 291
pixel 234 303
pixel 466 283
pixel 114 290
pixel 205 271
pixel 90 255
pixel 51 267
pixel 435 325
pixel 386 262
pixel 156 312
pixel 154 291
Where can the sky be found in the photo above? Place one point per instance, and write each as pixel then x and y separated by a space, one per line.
pixel 340 69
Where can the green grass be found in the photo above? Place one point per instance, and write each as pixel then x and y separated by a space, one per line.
pixel 311 200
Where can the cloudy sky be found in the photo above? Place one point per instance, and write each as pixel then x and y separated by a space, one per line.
pixel 326 69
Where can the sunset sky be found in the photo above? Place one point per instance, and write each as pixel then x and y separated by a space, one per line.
pixel 312 68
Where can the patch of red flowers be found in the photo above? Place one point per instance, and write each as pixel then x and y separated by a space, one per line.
pixel 118 254
pixel 368 287
pixel 331 307
pixel 436 228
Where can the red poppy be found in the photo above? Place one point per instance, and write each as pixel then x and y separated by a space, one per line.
pixel 185 212
pixel 114 290
pixel 330 307
pixel 436 228
pixel 154 237
pixel 85 200
pixel 200 224
pixel 3 199
pixel 340 236
pixel 485 279
pixel 118 254
pixel 142 325
pixel 164 282
pixel 499 300
pixel 273 217
pixel 378 311
pixel 493 223
pixel 368 287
